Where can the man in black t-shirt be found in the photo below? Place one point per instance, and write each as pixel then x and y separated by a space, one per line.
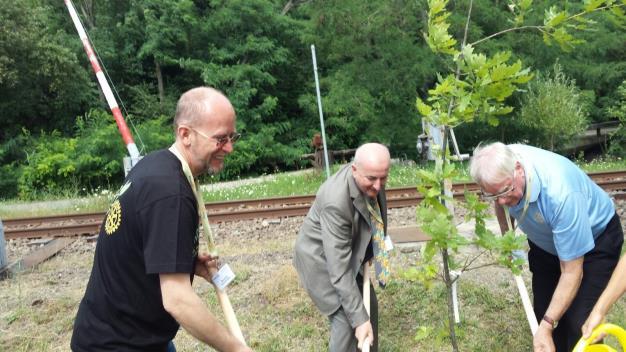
pixel 146 256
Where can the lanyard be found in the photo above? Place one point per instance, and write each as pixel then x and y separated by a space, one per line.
pixel 529 187
pixel 195 187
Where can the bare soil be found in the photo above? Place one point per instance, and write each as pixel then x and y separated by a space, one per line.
pixel 37 308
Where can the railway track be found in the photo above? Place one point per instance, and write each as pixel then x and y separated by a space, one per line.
pixel 613 182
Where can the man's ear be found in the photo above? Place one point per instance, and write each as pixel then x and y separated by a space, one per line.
pixel 183 133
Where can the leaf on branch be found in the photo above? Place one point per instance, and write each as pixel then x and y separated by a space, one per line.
pixel 436 6
pixel 493 121
pixel 523 76
pixel 591 5
pixel 499 58
pixel 444 86
pixel 553 17
pixel 423 108
pixel 503 111
pixel 449 171
pixel 525 4
pixel 565 40
pixel 619 12
pixel 424 273
pixel 438 38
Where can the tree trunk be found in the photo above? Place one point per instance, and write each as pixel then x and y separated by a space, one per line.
pixel 291 4
pixel 88 14
pixel 159 77
pixel 448 281
pixel 446 189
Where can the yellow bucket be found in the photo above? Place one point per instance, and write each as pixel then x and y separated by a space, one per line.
pixel 609 329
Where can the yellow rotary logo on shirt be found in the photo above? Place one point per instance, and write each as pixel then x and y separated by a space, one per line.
pixel 114 218
pixel 114 214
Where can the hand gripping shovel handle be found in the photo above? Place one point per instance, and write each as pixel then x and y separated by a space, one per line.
pixel 366 300
pixel 229 315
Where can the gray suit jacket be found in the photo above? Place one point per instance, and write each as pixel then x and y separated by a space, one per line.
pixel 331 245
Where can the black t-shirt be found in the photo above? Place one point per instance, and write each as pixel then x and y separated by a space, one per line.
pixel 150 228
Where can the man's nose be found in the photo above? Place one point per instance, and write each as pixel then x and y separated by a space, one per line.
pixel 501 201
pixel 228 147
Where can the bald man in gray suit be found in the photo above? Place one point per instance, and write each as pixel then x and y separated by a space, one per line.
pixel 334 242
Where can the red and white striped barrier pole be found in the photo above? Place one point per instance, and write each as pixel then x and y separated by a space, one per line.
pixel 108 94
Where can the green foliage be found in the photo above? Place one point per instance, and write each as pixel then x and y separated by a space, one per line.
pixel 371 63
pixel 92 158
pixel 50 165
pixel 552 109
pixel 8 184
pixel 251 65
pixel 145 105
pixel 480 94
pixel 156 133
pixel 35 64
pixel 437 36
pixel 618 111
pixel 596 66
pixel 10 151
pixel 370 66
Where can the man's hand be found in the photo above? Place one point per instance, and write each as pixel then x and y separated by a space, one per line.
pixel 542 341
pixel 364 331
pixel 244 348
pixel 206 266
pixel 594 319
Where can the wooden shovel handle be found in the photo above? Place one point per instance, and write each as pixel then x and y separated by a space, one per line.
pixel 366 300
pixel 229 315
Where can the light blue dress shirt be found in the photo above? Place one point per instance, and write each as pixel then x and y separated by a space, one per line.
pixel 566 209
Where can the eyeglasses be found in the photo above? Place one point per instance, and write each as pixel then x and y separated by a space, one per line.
pixel 487 197
pixel 221 139
pixel 492 197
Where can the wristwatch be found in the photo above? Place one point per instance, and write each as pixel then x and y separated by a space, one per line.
pixel 551 321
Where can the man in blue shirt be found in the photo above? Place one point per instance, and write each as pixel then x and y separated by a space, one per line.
pixel 574 234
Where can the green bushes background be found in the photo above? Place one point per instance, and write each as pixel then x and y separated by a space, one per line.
pixel 56 134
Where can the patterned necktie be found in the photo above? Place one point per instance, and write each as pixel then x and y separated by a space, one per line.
pixel 381 256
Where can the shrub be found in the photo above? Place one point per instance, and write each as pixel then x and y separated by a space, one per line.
pixel 92 159
pixel 553 109
pixel 618 111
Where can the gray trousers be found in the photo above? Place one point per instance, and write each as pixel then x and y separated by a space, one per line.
pixel 342 337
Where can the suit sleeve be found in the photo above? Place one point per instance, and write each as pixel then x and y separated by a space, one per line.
pixel 336 227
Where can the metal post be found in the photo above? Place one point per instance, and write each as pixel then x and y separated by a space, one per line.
pixel 319 106
pixel 3 252
pixel 454 275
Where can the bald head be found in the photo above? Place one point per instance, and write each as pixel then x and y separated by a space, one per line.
pixel 205 131
pixel 200 102
pixel 372 154
pixel 371 168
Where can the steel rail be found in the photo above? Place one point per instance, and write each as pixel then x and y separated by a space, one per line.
pixel 268 202
pixel 89 223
